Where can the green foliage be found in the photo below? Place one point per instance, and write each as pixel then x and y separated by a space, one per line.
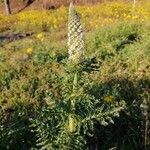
pixel 42 58
pixel 14 129
pixel 67 122
pixel 108 42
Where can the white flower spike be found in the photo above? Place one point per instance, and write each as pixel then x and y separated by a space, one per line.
pixel 75 35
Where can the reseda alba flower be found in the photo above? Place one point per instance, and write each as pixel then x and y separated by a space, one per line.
pixel 75 35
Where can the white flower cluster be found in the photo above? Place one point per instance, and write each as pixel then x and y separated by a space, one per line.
pixel 75 35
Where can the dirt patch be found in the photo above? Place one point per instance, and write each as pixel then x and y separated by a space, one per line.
pixel 17 6
pixel 12 37
pixel 14 4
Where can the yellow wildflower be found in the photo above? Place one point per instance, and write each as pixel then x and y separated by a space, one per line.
pixel 128 16
pixel 135 17
pixel 55 26
pixel 40 36
pixel 29 50
pixel 109 99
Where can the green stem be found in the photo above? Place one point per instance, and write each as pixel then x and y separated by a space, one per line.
pixel 75 81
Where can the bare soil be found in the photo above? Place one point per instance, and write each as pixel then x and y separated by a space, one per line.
pixel 17 6
pixel 12 37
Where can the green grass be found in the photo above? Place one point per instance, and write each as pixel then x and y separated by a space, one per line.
pixel 117 65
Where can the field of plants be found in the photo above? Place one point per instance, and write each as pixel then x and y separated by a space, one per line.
pixel 48 102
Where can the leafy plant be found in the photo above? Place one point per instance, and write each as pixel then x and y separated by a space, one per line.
pixel 66 123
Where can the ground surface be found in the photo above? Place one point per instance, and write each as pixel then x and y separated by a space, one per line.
pixel 40 4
